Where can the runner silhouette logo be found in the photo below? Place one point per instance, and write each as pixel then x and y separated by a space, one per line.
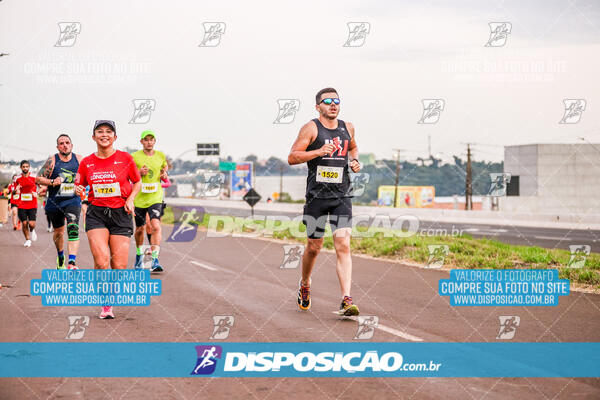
pixel 186 223
pixel 207 359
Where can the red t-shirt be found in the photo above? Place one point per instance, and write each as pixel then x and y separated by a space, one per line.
pixel 109 178
pixel 28 196
pixel 11 189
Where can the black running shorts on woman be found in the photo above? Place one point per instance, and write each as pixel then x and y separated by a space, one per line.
pixel 116 220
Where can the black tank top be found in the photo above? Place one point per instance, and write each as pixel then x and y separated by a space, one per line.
pixel 328 175
pixel 65 170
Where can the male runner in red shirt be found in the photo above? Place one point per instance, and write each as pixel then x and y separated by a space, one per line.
pixel 27 205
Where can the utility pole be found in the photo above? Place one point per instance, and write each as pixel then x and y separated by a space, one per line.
pixel 280 181
pixel 469 181
pixel 429 144
pixel 397 175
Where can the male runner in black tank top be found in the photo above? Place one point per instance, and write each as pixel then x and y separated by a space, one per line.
pixel 63 205
pixel 326 144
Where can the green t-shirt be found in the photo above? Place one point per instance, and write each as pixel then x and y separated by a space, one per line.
pixel 151 192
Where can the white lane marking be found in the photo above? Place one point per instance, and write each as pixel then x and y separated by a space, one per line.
pixel 486 230
pixel 204 266
pixel 551 238
pixel 387 329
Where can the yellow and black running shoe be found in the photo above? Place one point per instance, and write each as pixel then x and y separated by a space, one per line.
pixel 304 297
pixel 348 308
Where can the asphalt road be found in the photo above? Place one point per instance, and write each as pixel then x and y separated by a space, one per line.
pixel 549 238
pixel 241 277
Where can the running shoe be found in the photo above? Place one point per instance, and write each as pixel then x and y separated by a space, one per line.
pixel 33 235
pixel 15 227
pixel 347 308
pixel 304 297
pixel 60 265
pixel 156 267
pixel 27 243
pixel 72 265
pixel 107 312
pixel 138 261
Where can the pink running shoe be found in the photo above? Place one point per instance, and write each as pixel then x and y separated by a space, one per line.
pixel 107 312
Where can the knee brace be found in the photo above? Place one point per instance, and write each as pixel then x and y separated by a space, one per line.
pixel 73 231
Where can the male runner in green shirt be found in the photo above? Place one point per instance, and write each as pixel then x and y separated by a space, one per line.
pixel 152 164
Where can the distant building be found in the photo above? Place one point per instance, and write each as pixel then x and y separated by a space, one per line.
pixel 295 186
pixel 552 178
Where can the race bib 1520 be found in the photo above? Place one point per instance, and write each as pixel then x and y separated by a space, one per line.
pixel 329 174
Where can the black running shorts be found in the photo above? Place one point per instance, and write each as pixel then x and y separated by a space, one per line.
pixel 27 214
pixel 154 211
pixel 317 210
pixel 116 220
pixel 69 213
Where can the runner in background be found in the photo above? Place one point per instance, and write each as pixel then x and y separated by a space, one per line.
pixel 14 203
pixel 114 182
pixel 43 195
pixel 27 202
pixel 152 165
pixel 165 182
pixel 84 205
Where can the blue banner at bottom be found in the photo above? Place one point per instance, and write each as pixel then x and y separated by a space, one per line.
pixel 373 359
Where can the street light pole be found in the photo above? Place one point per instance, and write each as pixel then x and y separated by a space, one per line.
pixel 469 182
pixel 397 176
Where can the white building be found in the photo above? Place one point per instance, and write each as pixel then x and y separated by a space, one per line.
pixel 552 179
pixel 295 186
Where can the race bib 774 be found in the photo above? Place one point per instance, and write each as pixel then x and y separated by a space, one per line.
pixel 107 189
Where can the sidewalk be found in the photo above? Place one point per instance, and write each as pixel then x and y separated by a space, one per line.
pixel 566 221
